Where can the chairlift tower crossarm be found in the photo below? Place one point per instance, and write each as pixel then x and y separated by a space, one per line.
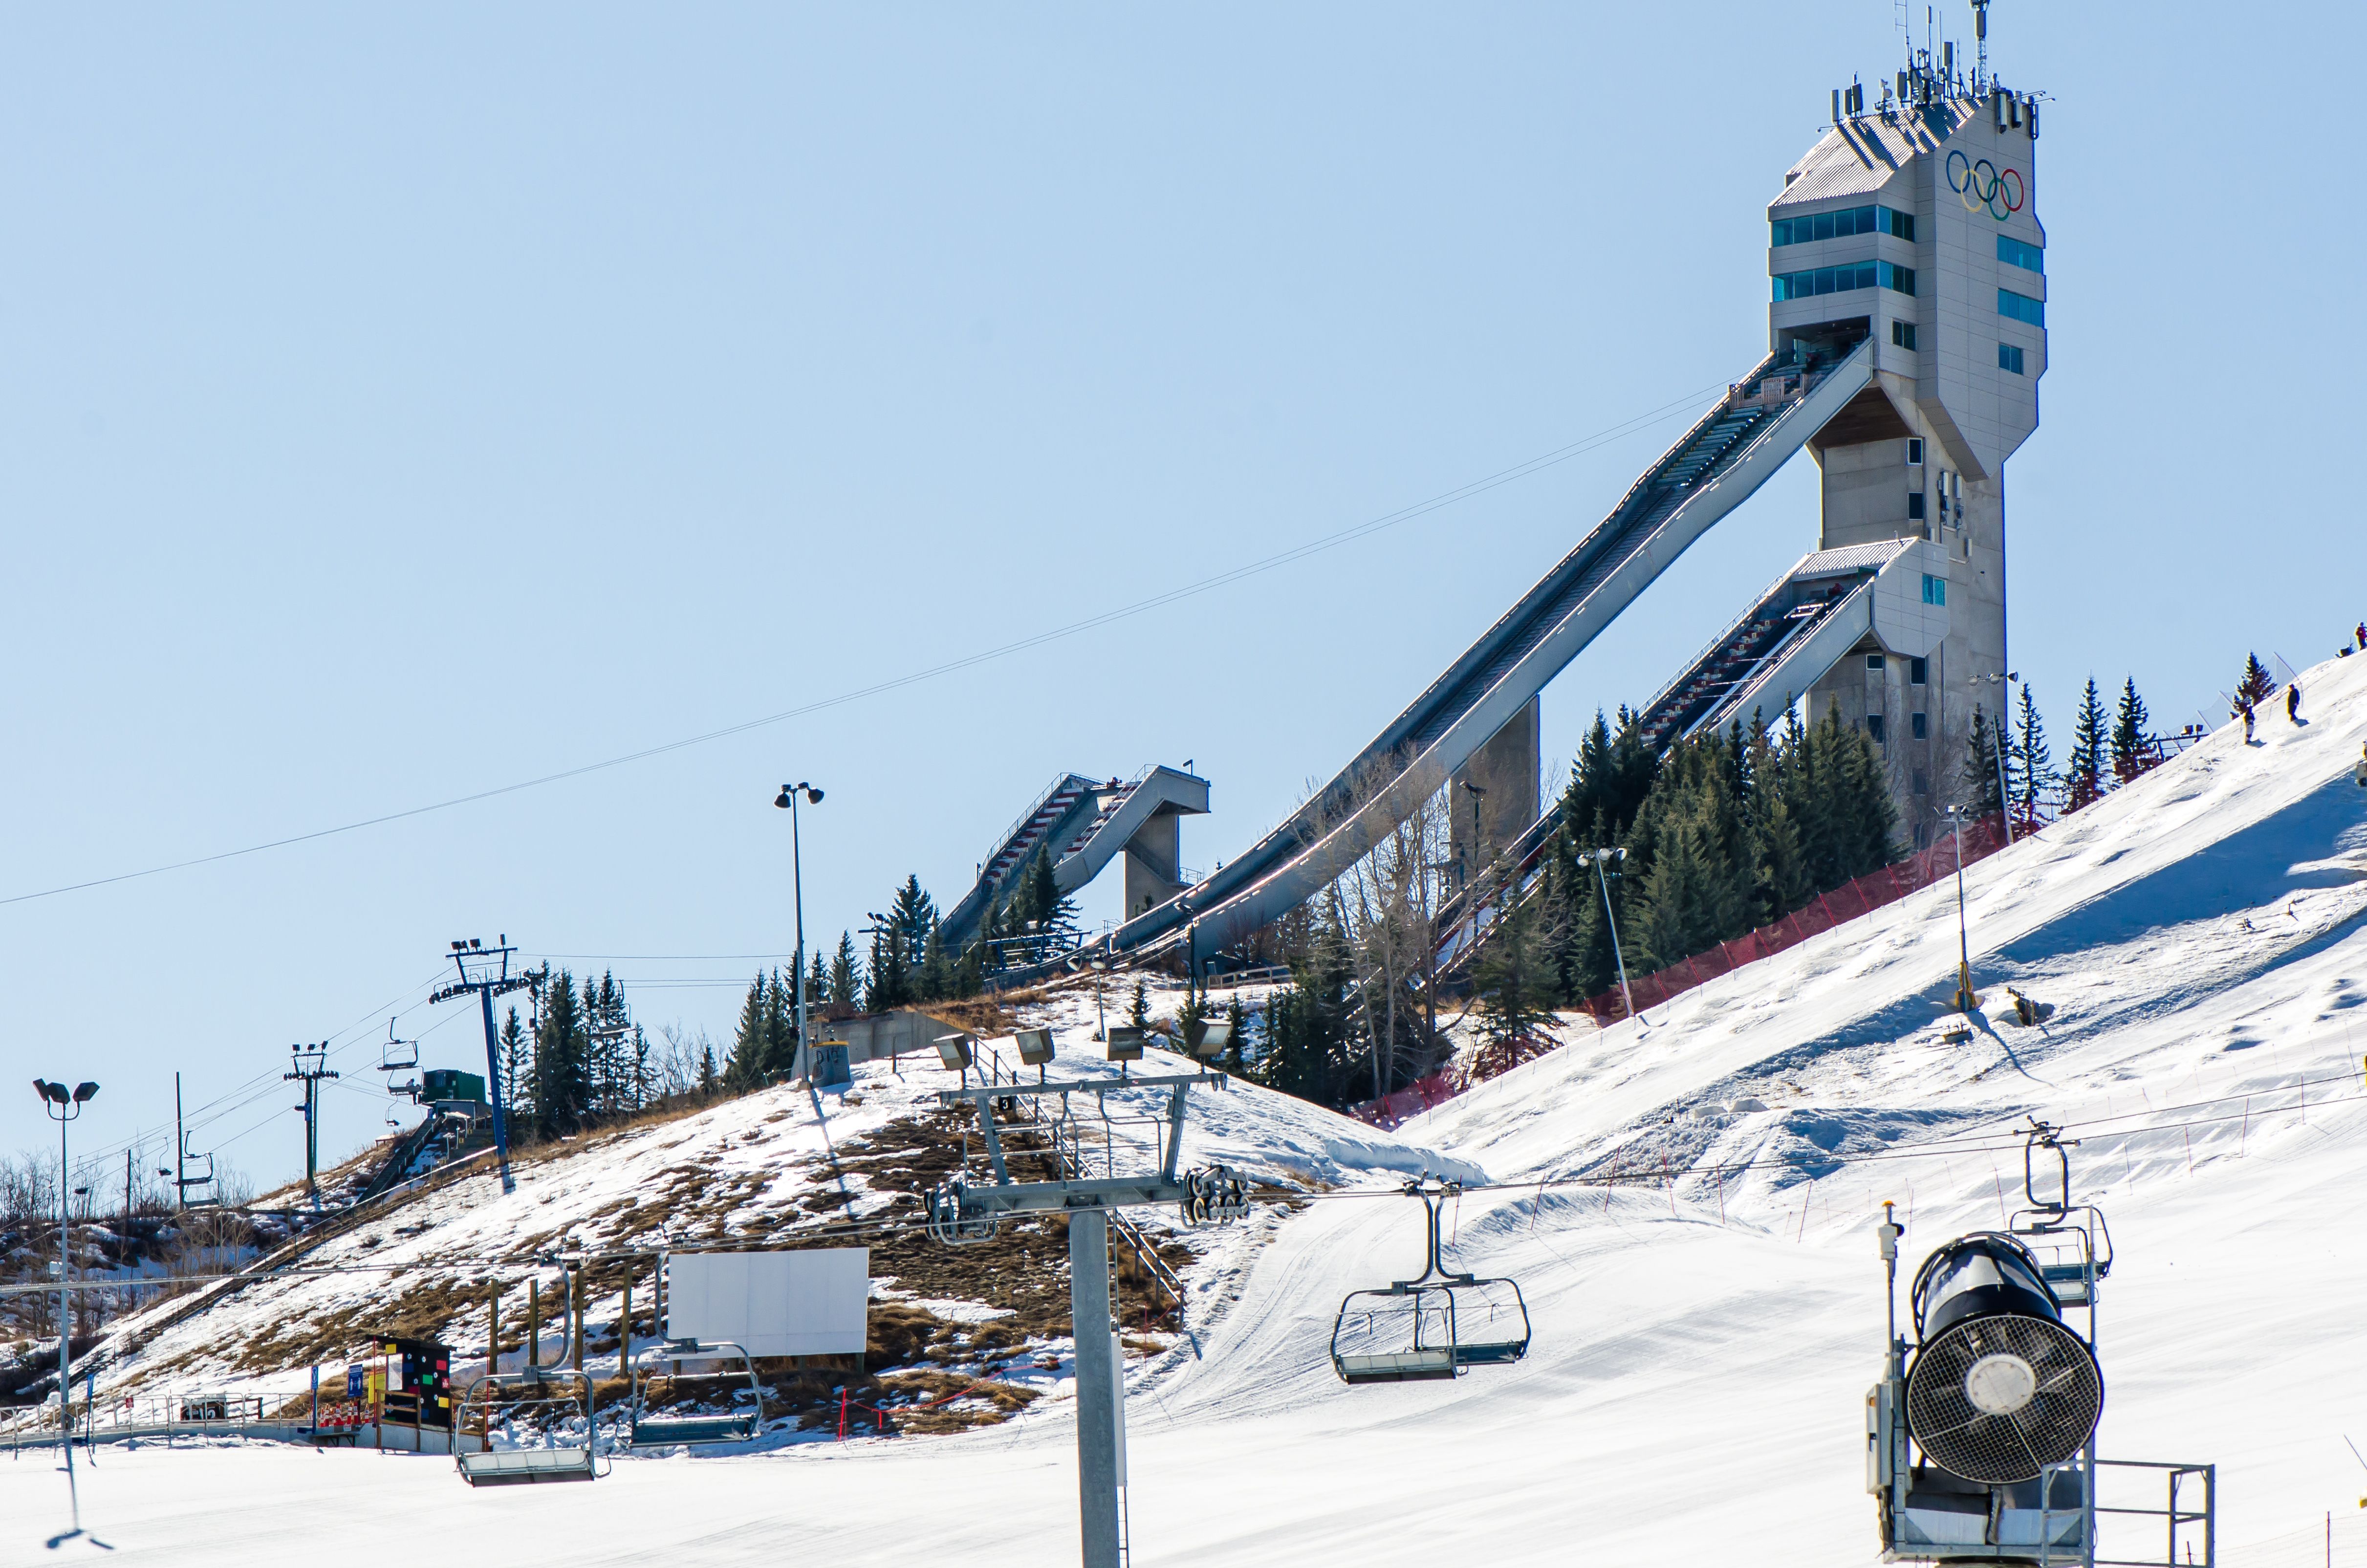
pixel 486 972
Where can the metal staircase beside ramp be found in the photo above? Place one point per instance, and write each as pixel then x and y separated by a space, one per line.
pixel 1806 622
pixel 1718 464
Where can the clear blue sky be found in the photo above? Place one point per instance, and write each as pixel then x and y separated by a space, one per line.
pixel 406 403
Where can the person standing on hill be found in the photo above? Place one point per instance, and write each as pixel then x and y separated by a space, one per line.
pixel 2292 702
pixel 2362 636
pixel 2244 712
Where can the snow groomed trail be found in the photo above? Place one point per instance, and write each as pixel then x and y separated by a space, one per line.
pixel 1702 1346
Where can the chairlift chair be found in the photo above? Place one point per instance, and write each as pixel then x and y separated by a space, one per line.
pixel 738 1425
pixel 526 1467
pixel 1433 1327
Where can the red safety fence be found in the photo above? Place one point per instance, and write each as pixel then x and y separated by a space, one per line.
pixel 1848 902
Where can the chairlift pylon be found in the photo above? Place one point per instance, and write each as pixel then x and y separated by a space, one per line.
pixel 1433 1327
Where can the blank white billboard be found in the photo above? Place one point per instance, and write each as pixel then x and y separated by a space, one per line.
pixel 771 1304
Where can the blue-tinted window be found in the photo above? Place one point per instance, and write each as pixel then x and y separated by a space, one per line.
pixel 2022 307
pixel 1915 672
pixel 1921 724
pixel 1874 727
pixel 1839 280
pixel 1935 589
pixel 1841 225
pixel 1915 504
pixel 2010 358
pixel 1902 333
pixel 2014 253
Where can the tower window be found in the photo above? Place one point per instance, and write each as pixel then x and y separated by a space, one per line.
pixel 1922 785
pixel 1873 661
pixel 1920 726
pixel 2010 358
pixel 1902 334
pixel 1916 670
pixel 1915 505
pixel 1914 452
pixel 2015 253
pixel 2020 307
pixel 1935 589
pixel 1874 727
pixel 1841 224
pixel 1842 278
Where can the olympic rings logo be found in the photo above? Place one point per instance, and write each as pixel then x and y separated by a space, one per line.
pixel 1981 184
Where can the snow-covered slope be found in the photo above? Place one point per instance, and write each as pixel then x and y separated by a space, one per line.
pixel 1702 1346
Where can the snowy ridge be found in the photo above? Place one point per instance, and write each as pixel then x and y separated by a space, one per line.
pixel 1701 1347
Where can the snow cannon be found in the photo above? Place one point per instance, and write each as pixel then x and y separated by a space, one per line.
pixel 2000 1388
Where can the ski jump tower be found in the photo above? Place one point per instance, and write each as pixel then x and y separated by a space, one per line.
pixel 1915 225
pixel 1906 335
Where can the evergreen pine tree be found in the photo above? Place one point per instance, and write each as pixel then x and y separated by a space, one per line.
pixel 891 983
pixel 818 983
pixel 2258 684
pixel 915 915
pixel 707 1078
pixel 2086 781
pixel 845 973
pixel 1138 1012
pixel 939 977
pixel 751 1041
pixel 2130 753
pixel 562 1078
pixel 1982 797
pixel 780 1028
pixel 1513 978
pixel 1237 1023
pixel 1870 817
pixel 515 1059
pixel 2034 772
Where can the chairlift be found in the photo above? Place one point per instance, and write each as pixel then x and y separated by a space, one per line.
pixel 2071 1242
pixel 540 1387
pixel 396 1055
pixel 1431 1326
pixel 744 1421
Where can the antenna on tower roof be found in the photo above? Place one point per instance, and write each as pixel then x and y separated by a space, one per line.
pixel 1980 47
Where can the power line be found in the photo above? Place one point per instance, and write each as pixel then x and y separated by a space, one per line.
pixel 1140 606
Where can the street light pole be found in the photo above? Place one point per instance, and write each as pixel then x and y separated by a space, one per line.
pixel 1965 1000
pixel 788 798
pixel 1602 877
pixel 63 1106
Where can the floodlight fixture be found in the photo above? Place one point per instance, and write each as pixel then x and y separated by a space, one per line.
pixel 1215 1038
pixel 1035 1046
pixel 48 1090
pixel 955 1052
pixel 788 797
pixel 1125 1043
pixel 83 1091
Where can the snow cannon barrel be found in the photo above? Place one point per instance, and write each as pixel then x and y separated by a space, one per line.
pixel 2000 1388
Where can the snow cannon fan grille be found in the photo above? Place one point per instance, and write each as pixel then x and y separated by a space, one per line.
pixel 2000 1388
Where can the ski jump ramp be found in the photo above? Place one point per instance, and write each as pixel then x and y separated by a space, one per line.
pixel 1717 464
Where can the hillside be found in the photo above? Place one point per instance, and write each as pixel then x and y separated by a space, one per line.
pixel 1703 1344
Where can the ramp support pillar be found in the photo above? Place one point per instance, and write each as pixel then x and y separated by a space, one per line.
pixel 1155 871
pixel 1098 1410
pixel 1493 798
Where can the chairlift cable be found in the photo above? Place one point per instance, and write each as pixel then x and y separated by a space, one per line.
pixel 1141 607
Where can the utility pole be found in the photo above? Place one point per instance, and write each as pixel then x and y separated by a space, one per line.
pixel 311 1065
pixel 486 972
